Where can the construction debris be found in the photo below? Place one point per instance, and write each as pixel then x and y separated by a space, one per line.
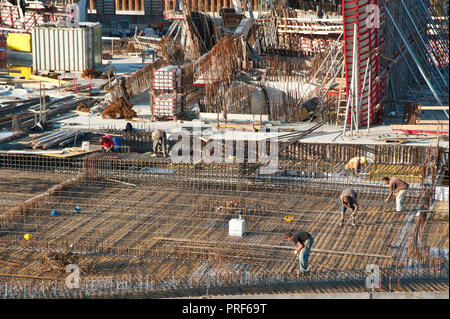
pixel 83 108
pixel 58 261
pixel 119 108
pixel 91 73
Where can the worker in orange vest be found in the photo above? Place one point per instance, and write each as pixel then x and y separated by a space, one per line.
pixel 355 165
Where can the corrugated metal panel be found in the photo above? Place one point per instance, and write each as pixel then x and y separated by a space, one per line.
pixel 109 7
pixel 132 19
pixel 62 49
pixel 99 5
pixel 154 7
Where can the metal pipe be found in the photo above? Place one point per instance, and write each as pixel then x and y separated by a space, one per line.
pixel 318 69
pixel 363 87
pixel 369 99
pixel 427 53
pixel 408 65
pixel 350 97
pixel 414 57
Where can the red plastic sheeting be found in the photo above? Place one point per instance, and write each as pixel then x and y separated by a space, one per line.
pixel 412 132
pixel 368 41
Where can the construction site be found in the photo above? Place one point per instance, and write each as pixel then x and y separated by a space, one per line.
pixel 260 107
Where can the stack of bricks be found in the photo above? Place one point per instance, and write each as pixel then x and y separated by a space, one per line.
pixel 168 100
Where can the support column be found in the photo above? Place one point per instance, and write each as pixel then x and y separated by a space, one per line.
pixel 213 5
pixel 118 5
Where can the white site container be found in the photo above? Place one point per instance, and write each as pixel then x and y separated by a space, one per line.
pixel 236 227
pixel 63 49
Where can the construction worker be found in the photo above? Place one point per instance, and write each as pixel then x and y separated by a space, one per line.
pixel 109 143
pixel 355 164
pixel 320 14
pixel 128 128
pixel 349 200
pixel 303 242
pixel 400 187
pixel 159 139
pixel 106 142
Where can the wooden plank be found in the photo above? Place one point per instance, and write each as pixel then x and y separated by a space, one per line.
pixel 47 79
pixel 434 108
pixel 420 127
pixel 70 154
pixel 433 122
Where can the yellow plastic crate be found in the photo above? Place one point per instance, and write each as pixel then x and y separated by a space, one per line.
pixel 19 42
pixel 24 71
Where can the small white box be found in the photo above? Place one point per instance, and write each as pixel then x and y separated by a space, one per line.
pixel 85 146
pixel 236 227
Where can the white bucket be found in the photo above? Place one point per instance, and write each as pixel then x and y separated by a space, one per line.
pixel 236 227
pixel 85 146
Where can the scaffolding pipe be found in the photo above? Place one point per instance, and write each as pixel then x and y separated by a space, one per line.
pixel 350 97
pixel 427 53
pixel 318 69
pixel 439 33
pixel 408 65
pixel 362 91
pixel 414 58
pixel 370 98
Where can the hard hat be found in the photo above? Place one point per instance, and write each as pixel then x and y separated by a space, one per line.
pixel 54 212
pixel 363 160
pixel 27 236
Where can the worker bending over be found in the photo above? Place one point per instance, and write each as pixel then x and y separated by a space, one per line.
pixel 400 187
pixel 355 165
pixel 349 200
pixel 303 242
pixel 159 139
pixel 109 143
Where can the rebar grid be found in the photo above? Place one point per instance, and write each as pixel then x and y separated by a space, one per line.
pixel 146 221
pixel 153 211
pixel 165 280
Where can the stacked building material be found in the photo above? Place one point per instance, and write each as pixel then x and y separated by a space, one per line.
pixel 59 138
pixel 168 98
pixel 168 105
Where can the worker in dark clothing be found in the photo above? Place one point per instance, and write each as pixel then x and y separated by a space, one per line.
pixel 201 106
pixel 400 188
pixel 159 139
pixel 348 199
pixel 303 242
pixel 319 13
pixel 128 128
